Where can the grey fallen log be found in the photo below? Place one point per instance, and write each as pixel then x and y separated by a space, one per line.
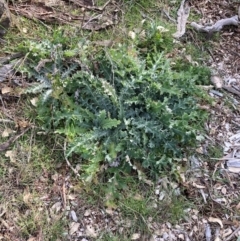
pixel 217 26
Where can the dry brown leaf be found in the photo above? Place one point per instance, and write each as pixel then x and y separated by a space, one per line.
pixel 12 155
pixel 217 81
pixel 104 43
pixel 195 228
pixel 227 232
pixel 6 90
pixel 87 213
pixel 198 186
pixel 71 197
pixel 238 206
pixel 27 196
pixel 182 176
pixel 55 177
pixel 109 211
pixel 90 231
pixel 56 207
pixel 148 182
pixel 161 29
pixel 132 35
pixel 138 197
pixel 135 236
pixel 73 227
pixel 7 132
pixel 189 58
pixel 34 101
pixel 194 217
pixel 200 150
pixel 22 124
pixel 32 239
pixel 216 220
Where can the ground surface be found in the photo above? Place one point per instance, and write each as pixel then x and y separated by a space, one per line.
pixel 45 201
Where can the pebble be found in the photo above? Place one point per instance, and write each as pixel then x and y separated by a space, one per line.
pixel 74 216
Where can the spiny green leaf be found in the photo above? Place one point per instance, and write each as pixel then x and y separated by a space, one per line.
pixel 106 122
pixel 109 90
pixel 110 123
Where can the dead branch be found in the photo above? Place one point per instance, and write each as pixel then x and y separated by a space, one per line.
pixel 231 90
pixel 217 26
pixel 183 14
pixel 232 235
pixel 168 16
pixel 67 161
pixel 91 7
pixel 5 60
pixel 100 19
pixel 6 121
pixel 6 9
pixel 4 146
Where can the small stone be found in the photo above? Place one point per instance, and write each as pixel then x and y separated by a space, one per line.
pixel 169 225
pixel 74 216
pixel 157 191
pixel 165 235
pixel 181 236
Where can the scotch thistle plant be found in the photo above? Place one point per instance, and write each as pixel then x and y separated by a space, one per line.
pixel 121 109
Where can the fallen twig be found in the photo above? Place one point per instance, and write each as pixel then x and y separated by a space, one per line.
pixel 224 158
pixel 67 161
pixel 4 146
pixel 231 236
pixel 169 17
pixel 232 90
pixel 6 60
pixel 91 7
pixel 64 198
pixel 6 121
